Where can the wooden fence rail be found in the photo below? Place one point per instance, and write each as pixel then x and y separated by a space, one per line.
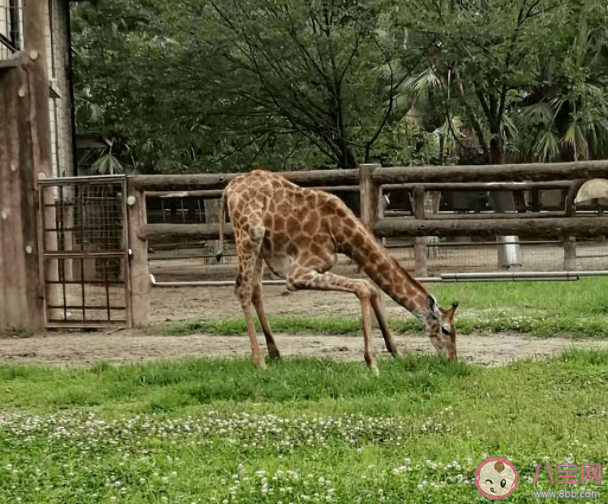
pixel 370 181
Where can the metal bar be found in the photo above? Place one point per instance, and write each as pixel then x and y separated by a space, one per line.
pixel 52 47
pixel 531 279
pixel 61 246
pixel 125 260
pixel 115 283
pixel 8 43
pixel 107 289
pixel 494 215
pixel 14 20
pixel 85 324
pixel 590 273
pixel 65 300
pixel 511 275
pixel 83 228
pixel 80 253
pixel 82 283
pixel 180 245
pixel 81 196
pixel 194 256
pixel 519 276
pixel 477 244
pixel 78 307
pixel 42 194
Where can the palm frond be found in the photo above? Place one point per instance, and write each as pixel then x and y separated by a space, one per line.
pixel 107 164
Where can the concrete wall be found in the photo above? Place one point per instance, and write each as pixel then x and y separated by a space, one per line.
pixel 60 104
pixel 57 26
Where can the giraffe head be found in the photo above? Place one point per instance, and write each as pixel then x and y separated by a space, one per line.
pixel 439 325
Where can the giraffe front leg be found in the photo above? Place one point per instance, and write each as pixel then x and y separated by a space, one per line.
pixel 306 278
pixel 367 332
pixel 387 334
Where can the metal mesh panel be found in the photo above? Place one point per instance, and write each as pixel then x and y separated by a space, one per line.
pixel 429 256
pixel 85 250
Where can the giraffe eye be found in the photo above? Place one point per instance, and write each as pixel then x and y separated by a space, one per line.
pixel 445 330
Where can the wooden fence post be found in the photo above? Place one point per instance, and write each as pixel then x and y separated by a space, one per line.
pixel 421 241
pixel 370 201
pixel 369 194
pixel 140 284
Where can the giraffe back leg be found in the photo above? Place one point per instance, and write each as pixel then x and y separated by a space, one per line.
pixel 249 246
pixel 273 351
pixel 306 278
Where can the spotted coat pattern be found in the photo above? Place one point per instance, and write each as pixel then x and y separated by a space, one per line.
pixel 299 233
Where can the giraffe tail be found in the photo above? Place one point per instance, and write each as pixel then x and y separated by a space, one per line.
pixel 220 215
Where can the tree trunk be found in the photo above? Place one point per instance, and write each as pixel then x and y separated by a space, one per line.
pixel 496 149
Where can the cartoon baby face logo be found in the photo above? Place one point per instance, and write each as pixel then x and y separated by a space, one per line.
pixel 496 478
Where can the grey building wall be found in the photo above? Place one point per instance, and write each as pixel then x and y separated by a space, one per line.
pixel 57 49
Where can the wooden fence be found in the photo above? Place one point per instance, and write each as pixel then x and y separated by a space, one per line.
pixel 371 181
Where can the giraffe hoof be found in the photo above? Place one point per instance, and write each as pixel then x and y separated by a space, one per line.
pixel 275 356
pixel 374 369
pixel 261 364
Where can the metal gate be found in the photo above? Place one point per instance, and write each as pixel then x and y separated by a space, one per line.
pixel 84 251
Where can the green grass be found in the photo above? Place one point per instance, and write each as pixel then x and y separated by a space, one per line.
pixel 304 430
pixel 544 309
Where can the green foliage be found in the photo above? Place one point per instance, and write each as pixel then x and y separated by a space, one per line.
pixel 227 86
pixel 21 331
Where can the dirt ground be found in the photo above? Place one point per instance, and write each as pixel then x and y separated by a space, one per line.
pixel 134 346
pixel 219 302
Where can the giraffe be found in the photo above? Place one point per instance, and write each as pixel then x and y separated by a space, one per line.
pixel 298 233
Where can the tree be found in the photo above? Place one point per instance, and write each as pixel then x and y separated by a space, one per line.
pixel 485 53
pixel 217 80
pixel 201 85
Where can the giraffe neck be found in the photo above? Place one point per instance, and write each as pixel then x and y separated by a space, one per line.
pixel 386 272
